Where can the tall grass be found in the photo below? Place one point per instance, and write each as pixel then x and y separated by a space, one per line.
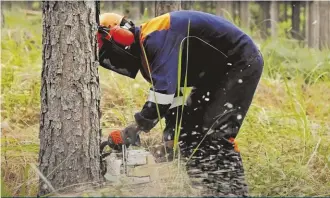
pixel 284 140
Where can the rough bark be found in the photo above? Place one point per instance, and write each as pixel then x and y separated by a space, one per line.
pixel 295 18
pixel 162 7
pixel 70 96
pixel 274 16
pixel 244 14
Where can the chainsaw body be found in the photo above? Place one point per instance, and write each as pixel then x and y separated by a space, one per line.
pixel 120 162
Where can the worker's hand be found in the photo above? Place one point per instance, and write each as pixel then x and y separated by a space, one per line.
pixel 130 135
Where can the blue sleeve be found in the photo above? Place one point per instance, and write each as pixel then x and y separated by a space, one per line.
pixel 162 49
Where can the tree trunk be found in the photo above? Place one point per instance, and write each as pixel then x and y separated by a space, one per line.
pixel 286 10
pixel 265 23
pixel 162 7
pixel 274 16
pixel 303 23
pixel 244 14
pixel 295 18
pixel 70 97
pixel 2 15
pixel 313 24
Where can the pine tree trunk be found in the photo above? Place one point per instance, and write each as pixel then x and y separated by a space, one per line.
pixel 2 15
pixel 285 10
pixel 265 23
pixel 70 96
pixel 303 31
pixel 295 18
pixel 162 7
pixel 313 24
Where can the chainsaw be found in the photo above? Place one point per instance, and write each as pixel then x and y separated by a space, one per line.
pixel 120 160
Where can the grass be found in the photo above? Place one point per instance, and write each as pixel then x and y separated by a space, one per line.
pixel 284 140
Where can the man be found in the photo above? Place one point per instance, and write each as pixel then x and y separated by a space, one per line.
pixel 190 49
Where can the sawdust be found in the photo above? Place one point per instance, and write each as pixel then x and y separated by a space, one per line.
pixel 172 181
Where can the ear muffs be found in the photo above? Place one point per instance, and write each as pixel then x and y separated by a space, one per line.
pixel 122 36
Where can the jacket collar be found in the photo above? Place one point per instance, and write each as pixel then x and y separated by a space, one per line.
pixel 144 60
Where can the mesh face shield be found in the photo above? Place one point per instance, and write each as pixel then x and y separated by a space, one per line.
pixel 117 58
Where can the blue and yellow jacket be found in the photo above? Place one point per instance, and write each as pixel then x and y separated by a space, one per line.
pixel 207 43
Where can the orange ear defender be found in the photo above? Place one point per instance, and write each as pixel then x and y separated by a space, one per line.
pixel 122 36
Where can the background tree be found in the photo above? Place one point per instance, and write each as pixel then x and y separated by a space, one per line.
pixel 2 15
pixel 244 14
pixel 70 96
pixel 274 16
pixel 265 24
pixel 295 18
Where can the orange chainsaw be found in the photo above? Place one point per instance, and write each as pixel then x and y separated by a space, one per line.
pixel 118 141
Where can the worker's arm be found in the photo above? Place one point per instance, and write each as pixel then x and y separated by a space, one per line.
pixel 164 48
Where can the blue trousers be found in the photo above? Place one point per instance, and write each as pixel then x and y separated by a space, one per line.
pixel 213 115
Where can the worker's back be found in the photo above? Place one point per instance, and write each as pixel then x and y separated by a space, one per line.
pixel 213 43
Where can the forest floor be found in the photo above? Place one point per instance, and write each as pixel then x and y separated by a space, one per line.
pixel 172 182
pixel 284 140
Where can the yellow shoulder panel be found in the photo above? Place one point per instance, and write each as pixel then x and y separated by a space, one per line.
pixel 156 24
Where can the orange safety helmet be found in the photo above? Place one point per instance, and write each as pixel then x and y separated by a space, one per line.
pixel 110 19
pixel 119 28
pixel 117 50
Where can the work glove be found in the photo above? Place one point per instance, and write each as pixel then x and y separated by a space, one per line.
pixel 130 135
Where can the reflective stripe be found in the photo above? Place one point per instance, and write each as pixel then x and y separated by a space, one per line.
pixel 160 98
pixel 178 102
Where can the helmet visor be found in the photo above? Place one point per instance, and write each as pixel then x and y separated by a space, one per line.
pixel 118 59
